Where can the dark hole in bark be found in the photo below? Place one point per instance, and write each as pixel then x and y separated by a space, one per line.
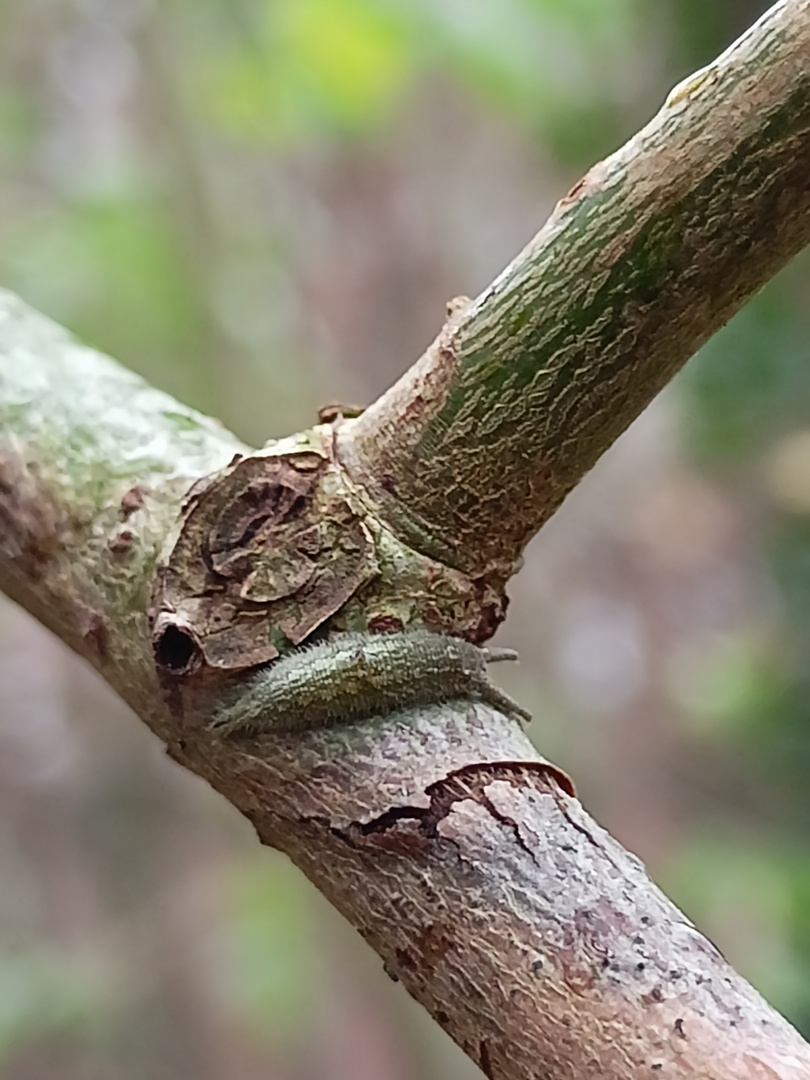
pixel 176 650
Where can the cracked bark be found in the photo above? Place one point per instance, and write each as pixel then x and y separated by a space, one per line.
pixel 532 937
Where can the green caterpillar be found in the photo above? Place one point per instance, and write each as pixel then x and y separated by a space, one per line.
pixel 355 676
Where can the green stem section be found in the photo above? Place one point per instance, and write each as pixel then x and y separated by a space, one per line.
pixel 639 264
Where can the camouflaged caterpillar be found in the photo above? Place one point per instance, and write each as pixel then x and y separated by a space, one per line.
pixel 359 675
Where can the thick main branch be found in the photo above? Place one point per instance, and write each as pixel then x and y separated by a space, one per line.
pixel 538 943
pixel 647 256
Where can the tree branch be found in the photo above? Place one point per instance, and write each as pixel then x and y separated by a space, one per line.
pixel 530 935
pixel 453 847
pixel 644 259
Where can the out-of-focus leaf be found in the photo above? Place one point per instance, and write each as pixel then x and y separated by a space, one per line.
pixel 310 66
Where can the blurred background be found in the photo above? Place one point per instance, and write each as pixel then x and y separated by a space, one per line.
pixel 263 206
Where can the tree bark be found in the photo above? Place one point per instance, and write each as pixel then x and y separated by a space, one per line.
pixel 443 836
pixel 641 262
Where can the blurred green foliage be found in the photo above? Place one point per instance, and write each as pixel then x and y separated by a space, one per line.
pixel 120 218
pixel 746 413
pixel 267 972
pixel 46 995
pixel 740 407
pixel 295 70
pixel 762 888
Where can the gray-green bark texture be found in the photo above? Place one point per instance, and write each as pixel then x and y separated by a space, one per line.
pixel 649 254
pixel 175 559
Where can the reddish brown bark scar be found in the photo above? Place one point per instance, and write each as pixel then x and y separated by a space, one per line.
pixel 95 633
pixel 131 501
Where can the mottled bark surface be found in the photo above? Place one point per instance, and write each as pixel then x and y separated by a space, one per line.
pixel 645 258
pixel 535 940
pixel 530 935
